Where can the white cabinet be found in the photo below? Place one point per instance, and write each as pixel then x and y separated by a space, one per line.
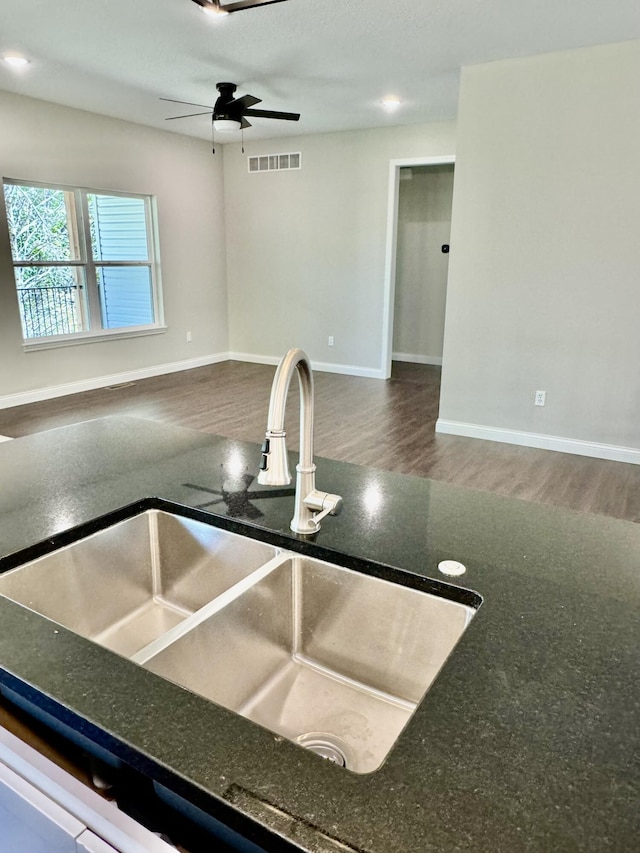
pixel 90 843
pixel 45 810
pixel 32 822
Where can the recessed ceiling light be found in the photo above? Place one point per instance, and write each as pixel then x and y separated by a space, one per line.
pixel 15 60
pixel 391 103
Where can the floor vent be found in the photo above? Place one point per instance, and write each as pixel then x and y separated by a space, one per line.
pixel 120 386
pixel 275 162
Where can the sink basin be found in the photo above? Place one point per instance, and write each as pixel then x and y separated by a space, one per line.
pixel 327 657
pixel 128 584
pixel 331 658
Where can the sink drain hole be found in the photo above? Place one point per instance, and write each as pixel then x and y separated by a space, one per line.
pixel 325 746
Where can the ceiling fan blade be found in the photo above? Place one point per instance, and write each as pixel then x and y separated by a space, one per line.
pixel 244 123
pixel 189 115
pixel 244 102
pixel 188 103
pixel 238 5
pixel 272 114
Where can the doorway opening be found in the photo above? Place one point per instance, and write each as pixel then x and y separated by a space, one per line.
pixel 418 227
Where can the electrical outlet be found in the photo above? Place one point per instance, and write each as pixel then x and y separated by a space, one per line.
pixel 189 337
pixel 330 341
pixel 540 398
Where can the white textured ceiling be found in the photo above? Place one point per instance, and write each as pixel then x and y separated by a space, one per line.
pixel 330 60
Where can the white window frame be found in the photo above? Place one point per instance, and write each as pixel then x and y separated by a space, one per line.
pixel 95 332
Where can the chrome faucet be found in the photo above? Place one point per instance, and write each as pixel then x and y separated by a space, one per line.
pixel 311 506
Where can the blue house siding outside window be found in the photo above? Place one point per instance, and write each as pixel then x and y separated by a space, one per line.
pixel 119 234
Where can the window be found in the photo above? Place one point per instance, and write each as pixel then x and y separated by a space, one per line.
pixel 84 263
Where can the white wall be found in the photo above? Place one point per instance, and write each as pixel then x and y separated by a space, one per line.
pixel 544 276
pixel 424 224
pixel 48 143
pixel 306 249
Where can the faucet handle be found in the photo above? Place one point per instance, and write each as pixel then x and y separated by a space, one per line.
pixel 333 506
pixel 325 503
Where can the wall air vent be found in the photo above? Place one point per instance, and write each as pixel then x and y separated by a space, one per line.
pixel 275 162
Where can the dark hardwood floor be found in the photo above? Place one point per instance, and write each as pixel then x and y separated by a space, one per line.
pixel 383 424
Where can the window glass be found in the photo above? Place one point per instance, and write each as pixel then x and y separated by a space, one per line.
pixel 41 223
pixel 126 296
pixel 51 300
pixel 83 261
pixel 118 228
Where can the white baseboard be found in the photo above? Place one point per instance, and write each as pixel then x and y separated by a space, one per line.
pixel 614 452
pixel 417 359
pixel 39 394
pixel 321 366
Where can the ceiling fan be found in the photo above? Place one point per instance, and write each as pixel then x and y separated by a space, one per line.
pixel 215 7
pixel 229 113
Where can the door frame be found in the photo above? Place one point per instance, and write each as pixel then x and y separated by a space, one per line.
pixel 391 248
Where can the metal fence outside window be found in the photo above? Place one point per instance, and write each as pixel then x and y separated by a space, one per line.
pixel 48 311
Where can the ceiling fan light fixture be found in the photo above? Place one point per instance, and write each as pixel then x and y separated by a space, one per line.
pixel 226 125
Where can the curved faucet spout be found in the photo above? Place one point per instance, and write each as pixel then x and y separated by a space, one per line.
pixel 274 467
pixel 294 361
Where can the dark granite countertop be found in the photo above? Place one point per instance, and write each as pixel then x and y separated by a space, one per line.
pixel 527 741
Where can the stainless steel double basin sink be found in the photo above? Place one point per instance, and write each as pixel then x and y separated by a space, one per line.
pixel 328 657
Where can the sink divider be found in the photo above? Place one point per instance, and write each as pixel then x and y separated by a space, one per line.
pixel 213 606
